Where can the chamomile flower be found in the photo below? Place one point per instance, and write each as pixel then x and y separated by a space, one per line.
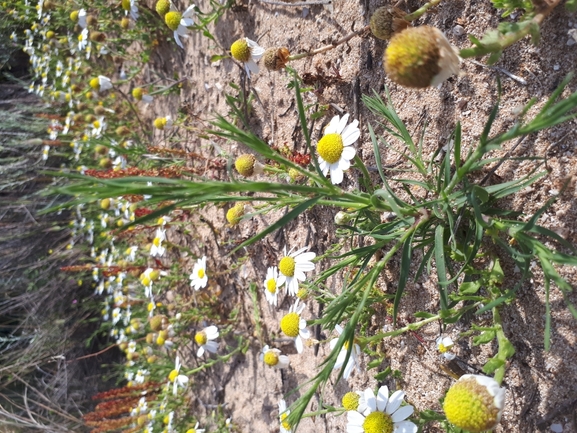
pixel 283 414
pixel 353 358
pixel 180 22
pixel 274 358
pixel 205 339
pixel 335 148
pixel 292 268
pixel 176 378
pixel 195 429
pixel 475 403
pixel 294 326
pixel 383 414
pixel 248 52
pixel 101 83
pixel 163 123
pixel 354 400
pixel 271 285
pixel 444 345
pixel 198 277
pixel 157 249
pixel 130 7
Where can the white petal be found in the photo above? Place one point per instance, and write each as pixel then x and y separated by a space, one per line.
pixel 355 419
pixel 305 333
pixel 349 153
pixel 349 367
pixel 211 332
pixel 395 401
pixel 211 346
pixel 299 345
pixel 324 166
pixel 200 351
pixel 344 164
pixel 332 126
pixel 252 66
pixel 333 343
pixel 337 176
pixel 370 399
pixel 351 133
pixel 405 427
pixel 403 413
pixel 340 360
pixel 305 257
pixel 189 12
pixel 382 398
pixel 256 53
pixel 177 39
pixel 298 252
pixel 342 123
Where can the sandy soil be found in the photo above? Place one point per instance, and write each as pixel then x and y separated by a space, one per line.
pixel 541 387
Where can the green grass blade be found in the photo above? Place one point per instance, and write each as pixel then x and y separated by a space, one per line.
pixel 441 266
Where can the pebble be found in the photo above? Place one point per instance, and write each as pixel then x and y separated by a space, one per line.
pixel 305 12
pixel 556 67
pixel 458 30
pixel 557 428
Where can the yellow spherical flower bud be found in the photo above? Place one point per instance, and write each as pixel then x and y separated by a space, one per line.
pixel 137 93
pixel 350 400
pixel 74 16
pixel 105 203
pixel 275 59
pixel 240 50
pixel 162 7
pixel 94 83
pixel 247 165
pixel 124 23
pixel 235 213
pixel 289 324
pixel 125 5
pixel 50 34
pixel 474 403
pixel 160 123
pixel 172 19
pixel 386 21
pixel 420 57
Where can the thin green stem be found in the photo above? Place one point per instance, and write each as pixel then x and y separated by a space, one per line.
pixel 414 15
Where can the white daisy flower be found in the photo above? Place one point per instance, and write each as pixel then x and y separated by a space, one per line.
pixel 292 268
pixel 353 358
pixel 444 346
pixel 179 23
pixel 294 326
pixel 271 285
pixel 156 248
pixel 335 148
pixel 195 429
pixel 274 358
pixel 205 339
pixel 383 414
pixel 104 83
pixel 83 40
pixel 248 52
pixel 283 414
pixel 176 378
pixel 130 6
pixel 198 278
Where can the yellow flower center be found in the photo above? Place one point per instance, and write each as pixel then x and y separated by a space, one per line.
pixel 469 405
pixel 350 400
pixel 160 122
pixel 271 358
pixel 94 83
pixel 284 422
pixel 137 93
pixel 200 273
pixel 126 5
pixel 173 375
pixel 443 348
pixel 156 242
pixel 191 430
pixel 378 422
pixel 74 16
pixel 330 147
pixel 235 213
pixel 162 7
pixel 289 324
pixel 172 19
pixel 244 164
pixel 240 50
pixel 200 338
pixel 287 266
pixel 271 285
